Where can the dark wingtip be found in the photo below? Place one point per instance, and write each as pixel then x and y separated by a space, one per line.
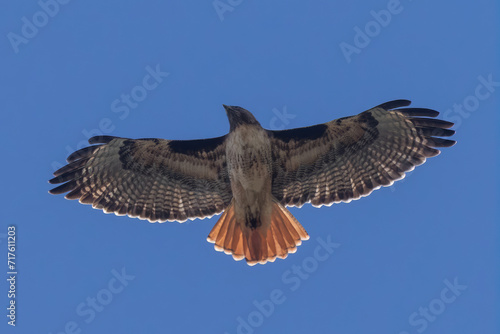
pixel 54 180
pixel 436 132
pixel 101 139
pixel 418 112
pixel 81 153
pixel 71 166
pixel 63 188
pixel 431 122
pixel 440 142
pixel 394 104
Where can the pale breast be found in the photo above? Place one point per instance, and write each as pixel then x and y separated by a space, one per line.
pixel 249 160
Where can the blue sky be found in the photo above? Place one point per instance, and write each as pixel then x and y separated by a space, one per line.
pixel 418 257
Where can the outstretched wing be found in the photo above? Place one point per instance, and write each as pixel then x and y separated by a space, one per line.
pixel 350 157
pixel 152 179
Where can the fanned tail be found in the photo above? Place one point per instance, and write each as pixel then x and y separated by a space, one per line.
pixel 262 244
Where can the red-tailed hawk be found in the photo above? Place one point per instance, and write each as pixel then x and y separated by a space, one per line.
pixel 252 174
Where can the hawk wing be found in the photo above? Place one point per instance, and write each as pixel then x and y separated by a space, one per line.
pixel 350 157
pixel 152 179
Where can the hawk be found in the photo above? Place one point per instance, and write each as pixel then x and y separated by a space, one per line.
pixel 251 174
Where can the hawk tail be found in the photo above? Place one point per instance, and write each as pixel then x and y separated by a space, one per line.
pixel 262 244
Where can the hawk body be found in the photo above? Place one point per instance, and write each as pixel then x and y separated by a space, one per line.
pixel 251 174
pixel 250 167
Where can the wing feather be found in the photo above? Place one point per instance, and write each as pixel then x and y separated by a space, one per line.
pixel 348 158
pixel 152 179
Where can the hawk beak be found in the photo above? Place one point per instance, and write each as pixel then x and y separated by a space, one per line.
pixel 229 110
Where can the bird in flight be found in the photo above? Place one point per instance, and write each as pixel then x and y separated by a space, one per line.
pixel 251 174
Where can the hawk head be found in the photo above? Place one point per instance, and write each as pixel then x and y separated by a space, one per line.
pixel 238 116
